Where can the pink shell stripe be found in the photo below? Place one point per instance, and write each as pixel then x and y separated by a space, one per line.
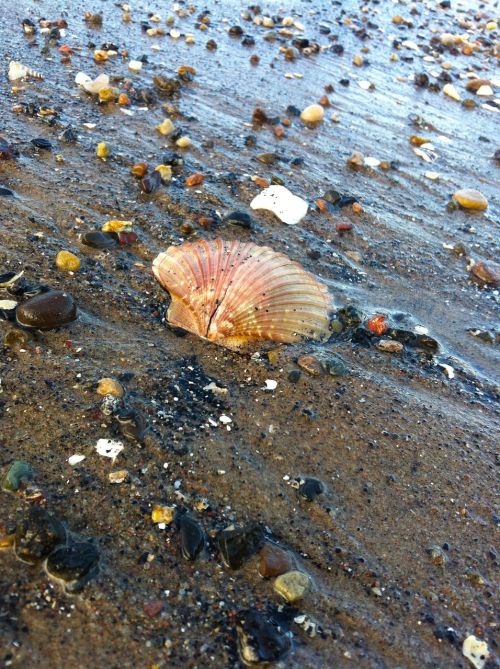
pixel 233 293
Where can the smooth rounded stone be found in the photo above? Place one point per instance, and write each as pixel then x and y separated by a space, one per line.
pixel 151 183
pixel 41 143
pixel 18 474
pixel 47 311
pixel 292 585
pixel 389 346
pixel 75 564
pixel 261 638
pixel 192 537
pixel 67 261
pixel 294 376
pixel 274 561
pixel 468 198
pixel 108 386
pixel 99 240
pixel 311 365
pixel 236 544
pixel 312 114
pixel 486 273
pixel 37 535
pixel 310 488
pixel 239 218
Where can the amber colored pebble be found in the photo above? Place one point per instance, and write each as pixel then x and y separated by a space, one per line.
pixel 108 386
pixel 278 131
pixel 65 48
pixel 139 170
pixel 254 59
pixel 322 205
pixel 274 561
pixel 195 179
pixel 468 198
pixel 67 261
pixel 186 228
pixel 377 324
pixel 286 122
pixel 163 514
pixel 356 208
pixel 127 238
pixel 123 100
pixel 343 226
pixel 186 69
pixel 261 182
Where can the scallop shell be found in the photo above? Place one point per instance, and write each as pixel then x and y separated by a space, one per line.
pixel 233 293
pixel 20 71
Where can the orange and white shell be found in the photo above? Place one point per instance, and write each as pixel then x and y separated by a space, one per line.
pixel 233 293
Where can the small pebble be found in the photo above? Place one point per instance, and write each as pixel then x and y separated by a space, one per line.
pixel 274 561
pixel 468 198
pixel 292 585
pixel 312 114
pixel 389 346
pixel 67 261
pixel 108 386
pixel 163 514
pixel 47 311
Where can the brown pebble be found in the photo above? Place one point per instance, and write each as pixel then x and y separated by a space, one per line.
pixel 274 561
pixel 47 311
pixel 310 364
pixel 486 273
pixel 139 169
pixel 195 179
pixel 343 226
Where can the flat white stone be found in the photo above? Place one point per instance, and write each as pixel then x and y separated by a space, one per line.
pixel 288 207
pixel 475 650
pixel 135 65
pixel 271 384
pixel 485 91
pixel 75 459
pixel 370 161
pixel 109 448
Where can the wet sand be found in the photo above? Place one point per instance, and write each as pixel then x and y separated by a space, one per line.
pixel 406 454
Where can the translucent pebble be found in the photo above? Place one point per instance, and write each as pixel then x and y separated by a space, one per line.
pixel 312 114
pixel 471 199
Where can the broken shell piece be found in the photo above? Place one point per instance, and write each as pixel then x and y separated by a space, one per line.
pixel 20 71
pixel 372 162
pixel 475 650
pixel 288 207
pixel 233 293
pixel 92 86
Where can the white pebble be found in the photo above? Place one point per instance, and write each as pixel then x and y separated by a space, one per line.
pixel 109 448
pixel 288 207
pixel 75 459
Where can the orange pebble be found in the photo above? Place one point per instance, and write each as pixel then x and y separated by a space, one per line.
pixel 65 48
pixel 261 182
pixel 286 122
pixel 377 324
pixel 139 169
pixel 123 99
pixel 322 205
pixel 279 132
pixel 324 101
pixel 195 179
pixel 356 208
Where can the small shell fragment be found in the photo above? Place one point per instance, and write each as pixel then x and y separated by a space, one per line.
pixel 20 71
pixel 288 207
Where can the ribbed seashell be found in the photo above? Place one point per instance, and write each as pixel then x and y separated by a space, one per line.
pixel 233 293
pixel 20 71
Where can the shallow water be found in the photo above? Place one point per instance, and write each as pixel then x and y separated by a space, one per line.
pixel 406 454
